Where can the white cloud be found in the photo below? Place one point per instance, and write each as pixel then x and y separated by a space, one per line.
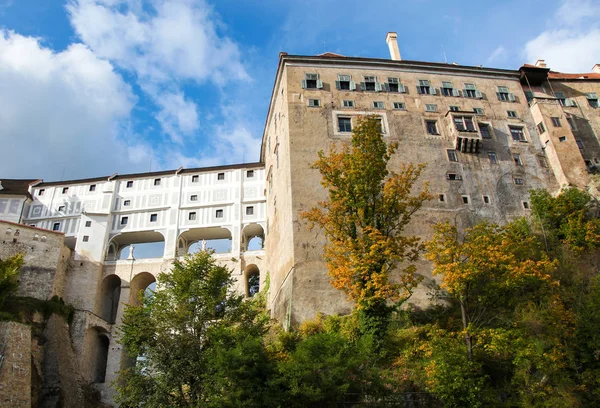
pixel 60 111
pixel 497 54
pixel 164 43
pixel 572 44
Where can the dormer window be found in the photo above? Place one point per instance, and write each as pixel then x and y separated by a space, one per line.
pixel 592 99
pixel 471 91
pixel 312 81
pixel 369 84
pixel 424 87
pixel 504 95
pixel 394 85
pixel 448 89
pixel 464 123
pixel 345 83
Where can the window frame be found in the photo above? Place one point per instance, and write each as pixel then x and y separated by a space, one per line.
pixel 348 103
pixel 194 197
pixel 157 182
pixel 400 105
pixel 452 155
pixel 555 121
pixel 433 122
pixel 339 122
pixel 192 216
pixel 92 187
pixel 154 217
pixel 221 176
pixel 129 184
pixel 492 157
pixel 126 203
pixel 517 159
pixel 219 213
pixel 195 178
pixel 250 210
pixel 124 220
pixel 522 132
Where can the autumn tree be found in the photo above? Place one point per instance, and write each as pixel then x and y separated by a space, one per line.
pixel 488 270
pixel 364 219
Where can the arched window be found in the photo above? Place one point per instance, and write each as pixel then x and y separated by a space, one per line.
pixel 110 292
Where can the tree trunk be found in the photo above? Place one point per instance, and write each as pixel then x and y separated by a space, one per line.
pixel 467 335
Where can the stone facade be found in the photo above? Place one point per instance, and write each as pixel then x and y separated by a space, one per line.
pixel 487 136
pixel 15 365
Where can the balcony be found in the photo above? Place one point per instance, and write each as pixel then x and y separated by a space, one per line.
pixel 464 132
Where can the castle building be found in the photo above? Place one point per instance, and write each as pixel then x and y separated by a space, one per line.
pixel 487 136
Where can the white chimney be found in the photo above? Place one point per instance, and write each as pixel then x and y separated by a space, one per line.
pixel 540 63
pixel 596 68
pixel 392 41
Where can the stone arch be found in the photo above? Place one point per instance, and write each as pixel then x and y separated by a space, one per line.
pixel 97 342
pixel 253 237
pixel 217 238
pixel 251 280
pixel 109 296
pixel 147 244
pixel 139 283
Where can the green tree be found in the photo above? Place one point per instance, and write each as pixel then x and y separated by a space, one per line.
pixel 9 270
pixel 364 221
pixel 200 342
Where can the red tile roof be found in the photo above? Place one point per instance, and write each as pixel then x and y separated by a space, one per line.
pixel 560 75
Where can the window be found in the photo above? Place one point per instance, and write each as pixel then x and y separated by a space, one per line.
pixel 504 95
pixel 592 99
pixel 344 124
pixel 124 220
pixel 56 226
pixel 555 121
pixel 193 197
pixel 541 128
pixel 249 173
pixel 369 84
pixel 442 198
pixel 192 216
pixel 542 161
pixel 312 81
pixel 88 224
pixel 424 88
pixel 220 176
pixel 529 96
pixel 562 139
pixel 465 199
pixel 41 192
pixel 471 91
pixel 484 128
pixel 399 106
pixel 478 111
pixel 452 155
pixel 519 181
pixel 86 238
pixel 380 125
pixel 126 203
pixel 129 184
pixel 219 214
pixel 394 85
pixel 93 187
pixel 61 208
pixel 249 210
pixel 517 134
pixel 195 178
pixel 378 105
pixel 448 89
pixel 344 83
pixel 561 97
pixel 486 199
pixel 453 176
pixel 157 182
pixel 464 123
pixel 65 190
pixel 430 107
pixel 153 217
pixel 454 108
pixel 579 144
pixel 511 114
pixel 571 122
pixel 493 158
pixel 517 159
pixel 431 127
pixel 348 104
pixel 314 103
pixel 526 205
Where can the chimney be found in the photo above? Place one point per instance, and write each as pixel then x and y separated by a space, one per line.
pixel 540 63
pixel 392 41
pixel 596 68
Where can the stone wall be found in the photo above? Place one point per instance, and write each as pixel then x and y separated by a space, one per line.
pixel 44 272
pixel 15 365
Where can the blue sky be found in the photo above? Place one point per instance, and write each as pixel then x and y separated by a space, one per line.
pixel 93 87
